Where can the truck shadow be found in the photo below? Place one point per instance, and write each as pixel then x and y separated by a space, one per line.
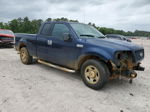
pixel 115 83
pixel 61 73
pixel 6 47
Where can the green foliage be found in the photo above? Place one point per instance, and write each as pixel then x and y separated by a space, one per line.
pixel 105 31
pixel 24 25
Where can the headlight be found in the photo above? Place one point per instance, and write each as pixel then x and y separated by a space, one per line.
pixel 141 54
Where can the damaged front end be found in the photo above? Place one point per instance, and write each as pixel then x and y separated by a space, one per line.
pixel 126 62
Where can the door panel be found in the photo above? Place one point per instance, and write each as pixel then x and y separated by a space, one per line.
pixel 61 52
pixel 42 47
pixel 43 42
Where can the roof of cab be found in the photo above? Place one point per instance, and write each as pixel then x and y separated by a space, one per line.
pixel 60 22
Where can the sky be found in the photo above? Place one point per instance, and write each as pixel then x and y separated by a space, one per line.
pixel 128 15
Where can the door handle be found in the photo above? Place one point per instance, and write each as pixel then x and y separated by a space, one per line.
pixel 49 42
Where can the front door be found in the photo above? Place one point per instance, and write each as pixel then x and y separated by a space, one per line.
pixel 61 52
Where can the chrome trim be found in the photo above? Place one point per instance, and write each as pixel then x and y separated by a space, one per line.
pixel 56 66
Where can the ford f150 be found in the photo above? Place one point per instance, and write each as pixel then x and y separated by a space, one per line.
pixel 79 47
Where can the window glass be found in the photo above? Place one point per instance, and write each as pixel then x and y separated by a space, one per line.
pixel 46 29
pixel 59 30
pixel 6 32
pixel 86 31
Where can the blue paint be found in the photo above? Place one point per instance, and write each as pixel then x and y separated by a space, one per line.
pixel 67 53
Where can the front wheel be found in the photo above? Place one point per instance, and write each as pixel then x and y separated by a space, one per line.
pixel 94 74
pixel 25 56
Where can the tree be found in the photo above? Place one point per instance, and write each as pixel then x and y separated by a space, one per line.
pixel 25 25
pixel 1 25
pixel 49 19
pixel 13 25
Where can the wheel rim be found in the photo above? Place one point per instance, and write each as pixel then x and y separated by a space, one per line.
pixel 92 74
pixel 23 56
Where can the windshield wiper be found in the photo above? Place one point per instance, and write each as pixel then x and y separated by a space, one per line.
pixel 88 35
pixel 102 37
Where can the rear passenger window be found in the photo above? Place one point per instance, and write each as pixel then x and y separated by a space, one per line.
pixel 46 29
pixel 59 30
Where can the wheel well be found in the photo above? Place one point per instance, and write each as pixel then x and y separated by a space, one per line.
pixel 89 57
pixel 21 45
pixel 107 62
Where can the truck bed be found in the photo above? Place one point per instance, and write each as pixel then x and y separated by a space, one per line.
pixel 29 38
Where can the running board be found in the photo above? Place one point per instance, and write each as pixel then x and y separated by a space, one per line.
pixel 56 66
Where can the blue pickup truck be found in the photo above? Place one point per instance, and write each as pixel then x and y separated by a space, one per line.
pixel 73 47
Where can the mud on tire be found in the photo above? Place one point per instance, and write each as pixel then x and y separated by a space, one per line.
pixel 25 56
pixel 94 74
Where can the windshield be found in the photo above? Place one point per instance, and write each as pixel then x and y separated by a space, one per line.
pixel 86 31
pixel 6 32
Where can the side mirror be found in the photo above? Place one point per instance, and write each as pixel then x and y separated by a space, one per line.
pixel 67 37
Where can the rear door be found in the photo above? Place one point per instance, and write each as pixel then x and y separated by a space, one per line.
pixel 42 41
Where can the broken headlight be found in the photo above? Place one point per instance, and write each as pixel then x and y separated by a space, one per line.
pixel 123 57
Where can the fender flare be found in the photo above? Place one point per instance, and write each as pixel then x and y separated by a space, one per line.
pixel 22 43
pixel 86 56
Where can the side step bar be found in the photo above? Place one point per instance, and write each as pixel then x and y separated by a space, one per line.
pixel 56 66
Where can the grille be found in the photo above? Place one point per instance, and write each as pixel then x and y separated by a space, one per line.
pixel 139 54
pixel 6 38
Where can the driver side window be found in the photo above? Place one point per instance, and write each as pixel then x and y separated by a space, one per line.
pixel 59 30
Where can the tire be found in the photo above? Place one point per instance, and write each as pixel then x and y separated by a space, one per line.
pixel 25 56
pixel 95 74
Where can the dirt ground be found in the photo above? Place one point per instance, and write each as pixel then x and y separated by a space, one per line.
pixel 38 88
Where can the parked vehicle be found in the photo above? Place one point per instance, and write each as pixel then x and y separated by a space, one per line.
pixel 6 38
pixel 79 47
pixel 119 37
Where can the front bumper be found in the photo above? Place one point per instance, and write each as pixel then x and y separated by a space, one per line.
pixel 139 68
pixel 127 70
pixel 3 43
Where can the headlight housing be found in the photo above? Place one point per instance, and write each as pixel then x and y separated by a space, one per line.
pixel 139 54
pixel 122 55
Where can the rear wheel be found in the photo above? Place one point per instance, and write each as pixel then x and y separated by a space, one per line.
pixel 25 56
pixel 94 74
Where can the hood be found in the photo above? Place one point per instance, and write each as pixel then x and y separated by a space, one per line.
pixel 113 44
pixel 6 35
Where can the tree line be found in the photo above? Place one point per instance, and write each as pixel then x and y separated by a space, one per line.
pixel 25 25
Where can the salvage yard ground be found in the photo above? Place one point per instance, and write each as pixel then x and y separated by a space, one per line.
pixel 38 88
